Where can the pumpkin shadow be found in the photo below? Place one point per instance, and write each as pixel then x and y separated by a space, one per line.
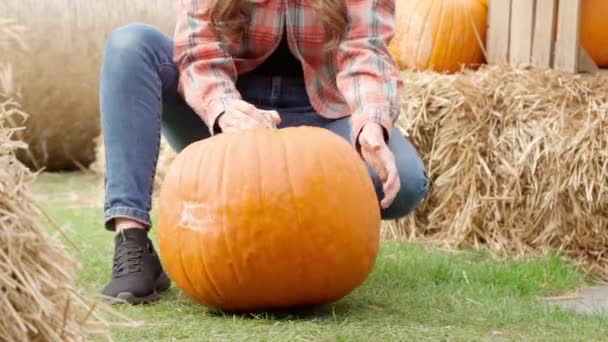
pixel 325 312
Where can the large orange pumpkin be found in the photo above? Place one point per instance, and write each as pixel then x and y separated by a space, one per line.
pixel 594 30
pixel 439 35
pixel 268 219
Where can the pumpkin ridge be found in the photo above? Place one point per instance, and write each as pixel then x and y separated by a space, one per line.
pixel 262 194
pixel 189 282
pixel 418 62
pixel 467 17
pixel 322 169
pixel 289 179
pixel 455 49
pixel 214 288
pixel 224 181
pixel 439 54
pixel 475 21
pixel 181 264
pixel 260 177
pixel 460 52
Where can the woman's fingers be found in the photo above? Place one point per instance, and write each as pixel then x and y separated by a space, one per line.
pixel 268 118
pixel 391 183
pixel 391 186
pixel 372 153
pixel 232 121
pixel 382 160
pixel 263 118
pixel 376 164
pixel 371 142
pixel 241 106
pixel 274 115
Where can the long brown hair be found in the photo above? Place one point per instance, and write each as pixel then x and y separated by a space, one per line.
pixel 232 16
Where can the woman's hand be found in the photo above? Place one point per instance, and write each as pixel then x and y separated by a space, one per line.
pixel 241 115
pixel 377 154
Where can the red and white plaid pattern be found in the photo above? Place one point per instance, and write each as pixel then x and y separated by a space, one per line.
pixel 359 78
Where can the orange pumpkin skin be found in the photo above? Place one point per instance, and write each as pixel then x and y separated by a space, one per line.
pixel 594 31
pixel 439 35
pixel 268 219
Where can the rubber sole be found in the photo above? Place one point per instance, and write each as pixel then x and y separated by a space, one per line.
pixel 129 298
pixel 162 284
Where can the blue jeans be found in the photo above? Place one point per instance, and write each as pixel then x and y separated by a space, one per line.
pixel 139 101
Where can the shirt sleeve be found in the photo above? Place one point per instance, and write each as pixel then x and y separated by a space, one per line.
pixel 368 77
pixel 207 73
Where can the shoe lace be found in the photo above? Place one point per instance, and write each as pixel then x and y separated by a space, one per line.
pixel 128 258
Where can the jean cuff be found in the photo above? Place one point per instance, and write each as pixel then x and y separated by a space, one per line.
pixel 128 213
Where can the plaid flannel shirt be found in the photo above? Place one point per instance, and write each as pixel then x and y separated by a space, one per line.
pixel 359 78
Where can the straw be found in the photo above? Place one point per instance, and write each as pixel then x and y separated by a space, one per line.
pixel 38 297
pixel 518 161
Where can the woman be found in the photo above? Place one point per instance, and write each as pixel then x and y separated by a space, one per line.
pixel 246 64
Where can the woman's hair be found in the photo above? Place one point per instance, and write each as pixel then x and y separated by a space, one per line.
pixel 232 16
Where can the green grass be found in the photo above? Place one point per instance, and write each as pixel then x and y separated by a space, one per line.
pixel 415 292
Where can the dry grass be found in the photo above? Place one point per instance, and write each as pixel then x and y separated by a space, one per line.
pixel 38 300
pixel 59 74
pixel 518 161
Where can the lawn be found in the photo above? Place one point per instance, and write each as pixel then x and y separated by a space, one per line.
pixel 416 293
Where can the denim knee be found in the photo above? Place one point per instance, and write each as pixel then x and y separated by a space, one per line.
pixel 135 39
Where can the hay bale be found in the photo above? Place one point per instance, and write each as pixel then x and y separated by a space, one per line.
pixel 518 161
pixel 165 158
pixel 38 300
pixel 59 74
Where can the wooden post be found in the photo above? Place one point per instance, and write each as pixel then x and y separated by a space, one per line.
pixel 540 33
pixel 522 25
pixel 567 44
pixel 544 33
pixel 499 23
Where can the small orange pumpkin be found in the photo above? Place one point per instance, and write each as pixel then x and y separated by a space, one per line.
pixel 594 31
pixel 439 35
pixel 268 219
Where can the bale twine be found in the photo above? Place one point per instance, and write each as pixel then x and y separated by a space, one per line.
pixel 59 74
pixel 518 161
pixel 38 300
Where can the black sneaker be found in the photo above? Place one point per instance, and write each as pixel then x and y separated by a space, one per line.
pixel 137 274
